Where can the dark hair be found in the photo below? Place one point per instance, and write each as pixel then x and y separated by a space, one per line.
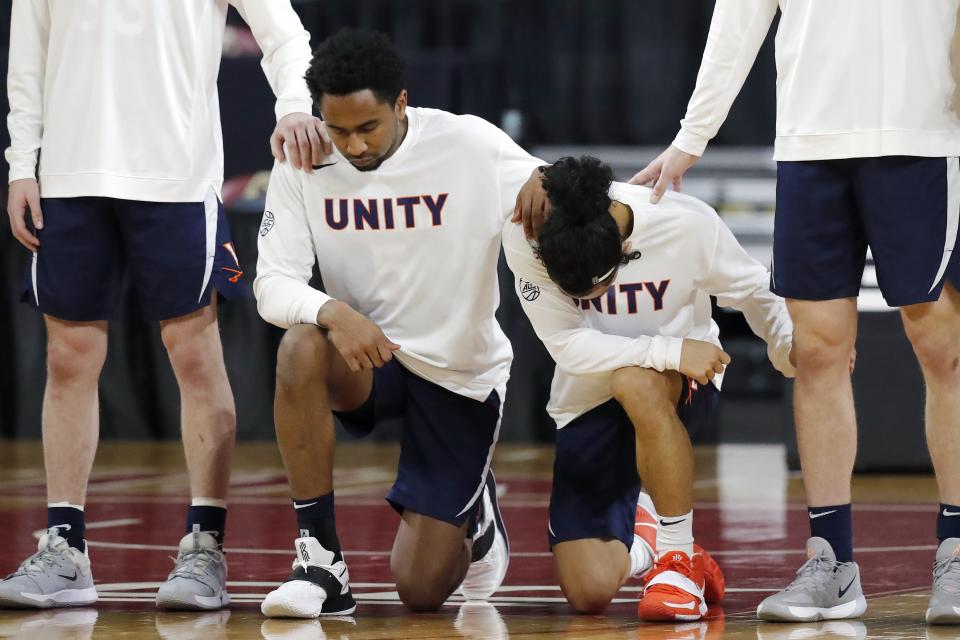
pixel 579 241
pixel 352 61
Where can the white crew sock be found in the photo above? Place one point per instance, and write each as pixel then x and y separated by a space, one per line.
pixel 641 557
pixel 675 533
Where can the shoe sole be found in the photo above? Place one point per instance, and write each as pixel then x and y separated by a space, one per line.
pixel 786 613
pixel 200 603
pixel 943 615
pixel 291 610
pixel 64 598
pixel 662 613
pixel 285 602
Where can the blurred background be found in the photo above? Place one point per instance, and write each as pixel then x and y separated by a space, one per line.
pixel 605 77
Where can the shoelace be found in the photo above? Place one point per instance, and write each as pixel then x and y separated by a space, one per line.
pixel 946 574
pixel 669 565
pixel 39 562
pixel 813 574
pixel 194 564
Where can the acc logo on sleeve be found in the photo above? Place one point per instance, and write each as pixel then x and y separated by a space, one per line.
pixel 266 224
pixel 528 290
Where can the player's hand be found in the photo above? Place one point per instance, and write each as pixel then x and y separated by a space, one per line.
pixel 306 138
pixel 359 340
pixel 25 195
pixel 702 361
pixel 533 205
pixel 667 168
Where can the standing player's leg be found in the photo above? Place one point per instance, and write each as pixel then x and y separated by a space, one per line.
pixel 180 258
pixel 75 283
pixel 912 214
pixel 208 427
pixel 819 253
pixel 312 381
pixel 933 329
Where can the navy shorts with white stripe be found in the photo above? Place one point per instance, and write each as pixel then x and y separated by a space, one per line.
pixel 173 253
pixel 906 209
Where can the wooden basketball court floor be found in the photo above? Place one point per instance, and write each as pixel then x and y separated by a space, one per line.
pixel 749 513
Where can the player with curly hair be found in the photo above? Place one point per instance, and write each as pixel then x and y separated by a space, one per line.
pixel 619 292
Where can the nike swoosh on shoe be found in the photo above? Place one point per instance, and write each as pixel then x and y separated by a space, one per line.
pixel 688 605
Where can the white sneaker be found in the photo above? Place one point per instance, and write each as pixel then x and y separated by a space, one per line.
pixel 318 586
pixel 491 548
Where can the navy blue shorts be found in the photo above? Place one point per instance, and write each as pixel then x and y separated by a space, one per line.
pixel 446 445
pixel 595 481
pixel 906 209
pixel 173 253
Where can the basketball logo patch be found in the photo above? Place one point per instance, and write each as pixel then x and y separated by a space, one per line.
pixel 528 290
pixel 266 224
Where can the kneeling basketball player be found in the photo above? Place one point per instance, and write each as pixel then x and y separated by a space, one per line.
pixel 619 292
pixel 404 221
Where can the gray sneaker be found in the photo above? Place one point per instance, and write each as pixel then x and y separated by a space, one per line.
pixel 199 578
pixel 824 589
pixel 57 575
pixel 945 602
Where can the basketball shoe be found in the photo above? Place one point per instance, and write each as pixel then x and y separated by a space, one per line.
pixel 199 577
pixel 645 529
pixel 824 589
pixel 944 605
pixel 57 575
pixel 673 591
pixel 318 586
pixel 490 551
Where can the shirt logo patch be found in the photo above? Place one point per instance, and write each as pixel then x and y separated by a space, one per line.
pixel 528 290
pixel 266 224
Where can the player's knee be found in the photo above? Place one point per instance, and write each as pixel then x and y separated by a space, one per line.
pixel 935 345
pixel 302 350
pixel 639 386
pixel 590 594
pixel 195 363
pixel 74 357
pixel 823 345
pixel 419 593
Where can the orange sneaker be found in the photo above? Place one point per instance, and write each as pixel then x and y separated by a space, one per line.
pixel 714 586
pixel 673 590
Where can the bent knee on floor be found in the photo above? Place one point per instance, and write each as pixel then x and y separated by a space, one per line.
pixel 422 595
pixel 590 596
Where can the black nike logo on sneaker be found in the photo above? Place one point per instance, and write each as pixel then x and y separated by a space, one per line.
pixel 71 578
pixel 846 588
pixel 667 524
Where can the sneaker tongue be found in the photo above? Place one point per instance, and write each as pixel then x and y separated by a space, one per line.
pixel 820 547
pixel 51 540
pixel 948 549
pixel 196 541
pixel 310 551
